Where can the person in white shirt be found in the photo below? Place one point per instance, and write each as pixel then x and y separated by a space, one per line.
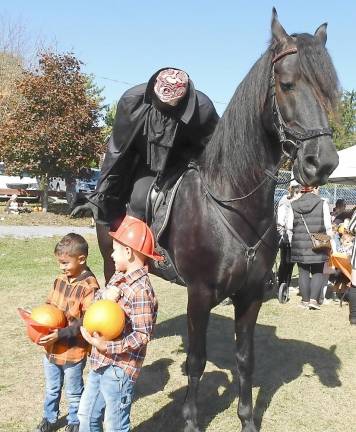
pixel 285 268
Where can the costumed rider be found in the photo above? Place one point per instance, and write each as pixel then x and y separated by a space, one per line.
pixel 159 127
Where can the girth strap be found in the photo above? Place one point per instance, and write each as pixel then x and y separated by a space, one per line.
pixel 250 251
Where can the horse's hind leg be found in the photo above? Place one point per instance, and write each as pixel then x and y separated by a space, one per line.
pixel 198 318
pixel 245 321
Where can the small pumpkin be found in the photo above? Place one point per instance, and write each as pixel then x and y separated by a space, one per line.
pixel 106 318
pixel 49 316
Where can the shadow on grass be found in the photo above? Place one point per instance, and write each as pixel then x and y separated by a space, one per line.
pixel 59 208
pixel 153 378
pixel 278 362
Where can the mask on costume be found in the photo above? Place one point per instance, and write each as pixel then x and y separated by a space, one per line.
pixel 171 86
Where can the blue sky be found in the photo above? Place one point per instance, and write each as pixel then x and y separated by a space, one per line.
pixel 215 42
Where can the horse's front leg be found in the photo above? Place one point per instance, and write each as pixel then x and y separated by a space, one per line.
pixel 198 318
pixel 245 321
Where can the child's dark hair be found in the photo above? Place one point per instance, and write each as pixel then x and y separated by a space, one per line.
pixel 73 245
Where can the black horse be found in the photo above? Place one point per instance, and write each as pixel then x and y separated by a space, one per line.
pixel 222 234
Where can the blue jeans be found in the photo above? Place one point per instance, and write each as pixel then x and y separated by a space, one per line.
pixel 108 390
pixel 72 376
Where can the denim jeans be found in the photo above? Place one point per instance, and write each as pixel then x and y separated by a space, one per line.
pixel 109 391
pixel 72 377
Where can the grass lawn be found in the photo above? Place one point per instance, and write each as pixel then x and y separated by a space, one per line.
pixel 58 214
pixel 304 378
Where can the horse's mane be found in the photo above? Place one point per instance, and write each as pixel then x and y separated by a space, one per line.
pixel 234 152
pixel 318 69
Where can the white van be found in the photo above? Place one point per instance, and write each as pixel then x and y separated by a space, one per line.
pixel 24 185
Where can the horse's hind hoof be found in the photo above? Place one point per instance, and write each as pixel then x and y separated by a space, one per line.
pixel 189 427
pixel 250 427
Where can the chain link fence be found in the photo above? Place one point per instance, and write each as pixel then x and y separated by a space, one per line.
pixel 331 192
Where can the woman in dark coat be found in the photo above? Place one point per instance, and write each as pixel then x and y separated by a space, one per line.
pixel 316 215
pixel 158 128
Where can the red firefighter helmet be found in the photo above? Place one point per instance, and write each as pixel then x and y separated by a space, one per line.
pixel 136 234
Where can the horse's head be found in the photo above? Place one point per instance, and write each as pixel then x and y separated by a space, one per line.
pixel 305 90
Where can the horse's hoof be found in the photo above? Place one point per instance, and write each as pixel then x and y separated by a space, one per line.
pixel 249 428
pixel 189 427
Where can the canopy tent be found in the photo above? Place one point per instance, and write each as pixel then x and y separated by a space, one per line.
pixel 346 171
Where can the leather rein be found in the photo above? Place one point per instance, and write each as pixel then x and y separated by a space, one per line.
pixel 291 140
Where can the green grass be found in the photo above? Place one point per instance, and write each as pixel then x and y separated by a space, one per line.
pixel 304 378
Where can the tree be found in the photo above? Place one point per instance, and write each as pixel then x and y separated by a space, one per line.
pixel 109 117
pixel 11 68
pixel 343 122
pixel 55 131
pixel 15 49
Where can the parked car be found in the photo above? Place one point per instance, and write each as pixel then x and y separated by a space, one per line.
pixel 23 185
pixel 78 190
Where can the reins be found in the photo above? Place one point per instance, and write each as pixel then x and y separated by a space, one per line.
pixel 290 140
pixel 289 137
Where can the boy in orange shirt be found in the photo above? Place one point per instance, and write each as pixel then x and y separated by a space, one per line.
pixel 72 292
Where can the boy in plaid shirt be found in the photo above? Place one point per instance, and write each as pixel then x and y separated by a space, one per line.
pixel 115 365
pixel 73 291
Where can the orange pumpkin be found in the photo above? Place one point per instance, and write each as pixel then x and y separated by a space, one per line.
pixel 42 321
pixel 106 318
pixel 49 316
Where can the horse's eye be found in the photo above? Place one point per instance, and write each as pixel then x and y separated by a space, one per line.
pixel 286 87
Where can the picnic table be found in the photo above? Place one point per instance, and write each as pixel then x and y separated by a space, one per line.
pixel 341 261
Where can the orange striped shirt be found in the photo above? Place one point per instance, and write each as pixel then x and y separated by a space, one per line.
pixel 73 298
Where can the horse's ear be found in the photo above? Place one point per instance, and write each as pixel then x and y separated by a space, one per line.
pixel 278 32
pixel 320 33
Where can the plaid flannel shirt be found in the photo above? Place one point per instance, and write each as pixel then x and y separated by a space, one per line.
pixel 73 298
pixel 136 297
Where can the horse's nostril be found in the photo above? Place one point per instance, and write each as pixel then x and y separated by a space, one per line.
pixel 311 160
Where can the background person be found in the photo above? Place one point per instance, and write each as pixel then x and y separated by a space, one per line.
pixel 12 206
pixel 339 212
pixel 316 214
pixel 285 268
pixel 352 291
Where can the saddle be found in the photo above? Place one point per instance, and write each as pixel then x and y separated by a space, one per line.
pixel 158 211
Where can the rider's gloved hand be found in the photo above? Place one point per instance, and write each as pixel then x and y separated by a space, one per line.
pixel 85 210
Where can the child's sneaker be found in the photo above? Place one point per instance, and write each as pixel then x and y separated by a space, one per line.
pixel 45 426
pixel 72 428
pixel 303 304
pixel 314 305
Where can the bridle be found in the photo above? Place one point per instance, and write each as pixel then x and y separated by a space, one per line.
pixel 290 139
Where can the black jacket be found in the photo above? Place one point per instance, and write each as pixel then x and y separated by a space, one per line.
pixel 197 119
pixel 311 207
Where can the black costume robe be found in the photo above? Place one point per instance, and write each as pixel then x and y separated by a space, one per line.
pixel 196 118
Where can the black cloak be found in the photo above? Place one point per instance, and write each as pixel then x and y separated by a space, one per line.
pixel 197 118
